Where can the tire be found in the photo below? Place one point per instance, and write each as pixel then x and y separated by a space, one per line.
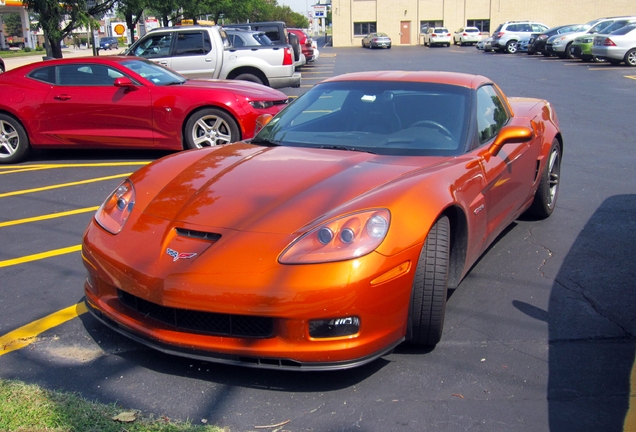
pixel 295 43
pixel 630 58
pixel 567 54
pixel 512 47
pixel 548 191
pixel 249 77
pixel 14 141
pixel 430 287
pixel 210 127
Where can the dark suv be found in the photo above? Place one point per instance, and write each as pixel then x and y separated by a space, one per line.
pixel 108 43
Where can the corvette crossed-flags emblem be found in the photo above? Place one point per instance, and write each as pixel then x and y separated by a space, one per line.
pixel 176 255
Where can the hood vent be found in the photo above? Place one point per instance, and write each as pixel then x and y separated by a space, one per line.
pixel 202 235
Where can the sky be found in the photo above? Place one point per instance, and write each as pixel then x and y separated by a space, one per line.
pixel 300 6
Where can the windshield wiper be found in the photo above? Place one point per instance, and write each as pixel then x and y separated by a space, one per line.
pixel 341 147
pixel 265 142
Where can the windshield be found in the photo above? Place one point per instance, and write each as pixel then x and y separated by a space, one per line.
pixel 153 72
pixel 383 117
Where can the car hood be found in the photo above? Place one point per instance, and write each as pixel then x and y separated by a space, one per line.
pixel 276 189
pixel 254 90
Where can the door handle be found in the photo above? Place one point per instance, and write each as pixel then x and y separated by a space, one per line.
pixel 62 97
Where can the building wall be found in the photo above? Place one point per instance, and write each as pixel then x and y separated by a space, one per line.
pixel 390 14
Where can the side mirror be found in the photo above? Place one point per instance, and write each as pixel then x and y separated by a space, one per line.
pixel 124 82
pixel 509 135
pixel 261 122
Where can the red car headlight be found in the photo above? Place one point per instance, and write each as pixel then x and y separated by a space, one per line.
pixel 344 238
pixel 112 215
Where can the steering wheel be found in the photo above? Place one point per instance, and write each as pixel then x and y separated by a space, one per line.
pixel 429 123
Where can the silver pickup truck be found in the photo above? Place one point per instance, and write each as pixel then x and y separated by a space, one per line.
pixel 205 52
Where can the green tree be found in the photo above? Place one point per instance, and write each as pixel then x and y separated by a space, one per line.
pixel 132 11
pixel 13 24
pixel 58 18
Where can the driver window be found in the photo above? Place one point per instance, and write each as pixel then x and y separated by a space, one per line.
pixel 491 114
pixel 158 45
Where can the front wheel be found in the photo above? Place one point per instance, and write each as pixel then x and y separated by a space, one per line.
pixel 210 127
pixel 14 141
pixel 430 287
pixel 548 191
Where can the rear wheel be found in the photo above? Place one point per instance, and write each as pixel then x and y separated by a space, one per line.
pixel 512 47
pixel 430 286
pixel 210 127
pixel 548 191
pixel 14 142
pixel 249 77
pixel 630 58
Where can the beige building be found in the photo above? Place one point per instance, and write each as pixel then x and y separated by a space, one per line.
pixel 402 19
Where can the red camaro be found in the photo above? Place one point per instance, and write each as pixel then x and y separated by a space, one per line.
pixel 334 234
pixel 123 102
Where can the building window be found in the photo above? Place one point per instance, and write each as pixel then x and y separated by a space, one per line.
pixel 363 28
pixel 482 25
pixel 424 25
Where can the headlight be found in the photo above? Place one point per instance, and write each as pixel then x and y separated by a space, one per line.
pixel 344 238
pixel 262 104
pixel 112 215
pixel 586 40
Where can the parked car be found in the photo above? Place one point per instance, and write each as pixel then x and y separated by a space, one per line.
pixel 242 37
pixel 485 45
pixel 205 52
pixel 582 46
pixel 258 261
pixel 306 44
pixel 123 102
pixel 2 66
pixel 617 47
pixel 522 44
pixel 437 36
pixel 314 45
pixel 507 35
pixel 560 45
pixel 278 33
pixel 467 35
pixel 376 40
pixel 108 43
pixel 538 40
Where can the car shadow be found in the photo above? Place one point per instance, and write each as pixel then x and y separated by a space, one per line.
pixel 592 323
pixel 92 155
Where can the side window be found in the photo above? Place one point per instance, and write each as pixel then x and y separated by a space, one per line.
pixel 154 46
pixel 87 75
pixel 536 28
pixel 491 114
pixel 237 41
pixel 46 74
pixel 193 43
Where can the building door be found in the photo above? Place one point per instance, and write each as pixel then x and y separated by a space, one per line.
pixel 405 33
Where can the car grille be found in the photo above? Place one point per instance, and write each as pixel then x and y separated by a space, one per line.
pixel 201 322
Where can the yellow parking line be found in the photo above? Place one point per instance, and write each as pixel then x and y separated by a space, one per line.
pixel 38 167
pixel 40 256
pixel 48 216
pixel 631 77
pixel 61 185
pixel 27 334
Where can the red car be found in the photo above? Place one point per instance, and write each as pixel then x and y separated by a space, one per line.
pixel 334 234
pixel 123 102
pixel 306 43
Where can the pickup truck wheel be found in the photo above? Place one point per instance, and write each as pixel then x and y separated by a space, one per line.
pixel 249 77
pixel 210 127
pixel 14 141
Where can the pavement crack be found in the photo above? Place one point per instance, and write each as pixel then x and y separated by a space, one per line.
pixel 547 250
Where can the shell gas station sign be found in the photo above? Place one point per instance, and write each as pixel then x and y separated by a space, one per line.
pixel 17 3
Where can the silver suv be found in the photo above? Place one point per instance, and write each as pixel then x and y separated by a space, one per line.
pixel 506 37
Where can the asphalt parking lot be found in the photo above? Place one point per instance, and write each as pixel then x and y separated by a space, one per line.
pixel 540 336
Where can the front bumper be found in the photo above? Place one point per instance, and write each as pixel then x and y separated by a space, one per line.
pixel 288 296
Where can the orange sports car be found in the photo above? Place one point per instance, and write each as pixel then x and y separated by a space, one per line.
pixel 334 234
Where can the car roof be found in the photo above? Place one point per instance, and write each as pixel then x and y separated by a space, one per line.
pixel 437 77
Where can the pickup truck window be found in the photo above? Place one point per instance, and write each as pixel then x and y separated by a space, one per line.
pixel 193 43
pixel 157 45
